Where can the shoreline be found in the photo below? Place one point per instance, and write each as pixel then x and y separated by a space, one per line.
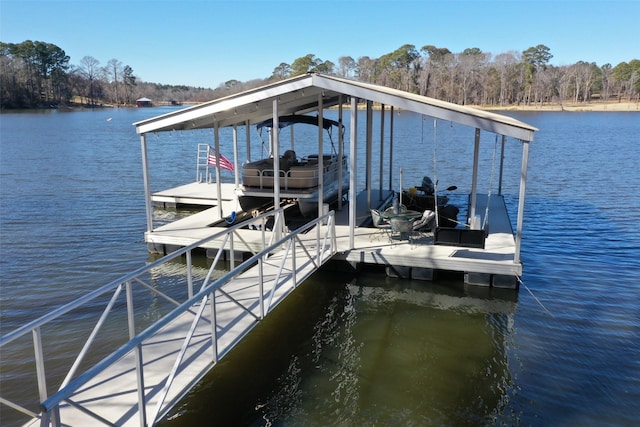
pixel 614 106
pixel 568 107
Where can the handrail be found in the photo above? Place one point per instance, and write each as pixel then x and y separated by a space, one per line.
pixel 50 405
pixel 129 276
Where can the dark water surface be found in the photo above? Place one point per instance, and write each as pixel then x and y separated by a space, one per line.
pixel 368 350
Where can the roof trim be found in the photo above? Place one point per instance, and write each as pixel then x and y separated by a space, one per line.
pixel 299 95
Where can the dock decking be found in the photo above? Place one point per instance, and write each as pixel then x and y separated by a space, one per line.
pixel 195 194
pixel 417 258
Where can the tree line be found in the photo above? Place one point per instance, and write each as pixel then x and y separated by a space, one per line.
pixel 37 73
pixel 474 77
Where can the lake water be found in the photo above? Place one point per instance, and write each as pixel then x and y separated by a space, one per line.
pixel 370 350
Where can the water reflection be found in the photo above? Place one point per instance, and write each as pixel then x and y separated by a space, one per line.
pixel 375 351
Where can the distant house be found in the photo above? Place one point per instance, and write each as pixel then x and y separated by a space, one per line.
pixel 144 102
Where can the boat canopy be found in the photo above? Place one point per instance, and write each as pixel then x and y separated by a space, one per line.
pixel 285 121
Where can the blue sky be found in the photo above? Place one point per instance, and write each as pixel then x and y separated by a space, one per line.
pixel 205 43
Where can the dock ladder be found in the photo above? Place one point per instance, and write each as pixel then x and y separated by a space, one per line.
pixel 203 168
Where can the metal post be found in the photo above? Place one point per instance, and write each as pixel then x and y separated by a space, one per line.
pixel 40 371
pixel 275 144
pixel 391 149
pixel 523 185
pixel 380 179
pixel 320 157
pixel 142 406
pixel 214 322
pixel 368 150
pixel 147 187
pixel 474 179
pixel 504 140
pixel 353 170
pixel 248 137
pixel 236 169
pixel 340 152
pixel 294 266
pixel 292 137
pixel 189 275
pixel 216 131
pixel 261 286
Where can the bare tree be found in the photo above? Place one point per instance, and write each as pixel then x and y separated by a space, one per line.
pixel 113 71
pixel 90 69
pixel 607 75
pixel 365 69
pixel 506 64
pixel 346 66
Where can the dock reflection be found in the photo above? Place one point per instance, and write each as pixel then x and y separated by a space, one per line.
pixel 371 351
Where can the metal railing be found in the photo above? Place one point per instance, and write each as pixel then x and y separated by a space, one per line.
pixel 292 250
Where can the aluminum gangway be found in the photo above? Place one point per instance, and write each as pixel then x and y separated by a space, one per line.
pixel 157 362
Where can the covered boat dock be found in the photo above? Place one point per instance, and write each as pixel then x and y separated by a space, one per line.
pixel 496 259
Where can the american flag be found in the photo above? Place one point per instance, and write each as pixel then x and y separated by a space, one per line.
pixel 224 162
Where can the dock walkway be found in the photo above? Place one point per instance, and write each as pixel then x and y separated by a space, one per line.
pixel 162 363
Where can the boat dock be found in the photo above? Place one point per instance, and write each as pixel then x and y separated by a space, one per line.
pixel 487 255
pixel 417 257
pixel 138 382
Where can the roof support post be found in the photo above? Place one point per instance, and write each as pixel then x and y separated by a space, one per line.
pixel 353 170
pixel 145 177
pixel 474 179
pixel 340 152
pixel 380 176
pixel 247 129
pixel 368 150
pixel 236 169
pixel 391 148
pixel 216 132
pixel 320 157
pixel 504 141
pixel 523 186
pixel 275 151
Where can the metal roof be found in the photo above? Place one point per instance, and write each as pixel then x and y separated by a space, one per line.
pixel 300 95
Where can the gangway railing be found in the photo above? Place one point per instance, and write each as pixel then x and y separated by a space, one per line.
pixel 288 253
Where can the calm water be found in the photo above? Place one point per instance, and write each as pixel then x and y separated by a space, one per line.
pixel 369 350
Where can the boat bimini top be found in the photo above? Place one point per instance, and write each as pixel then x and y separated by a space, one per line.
pixel 284 121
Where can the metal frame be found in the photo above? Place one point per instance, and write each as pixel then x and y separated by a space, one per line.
pixel 290 248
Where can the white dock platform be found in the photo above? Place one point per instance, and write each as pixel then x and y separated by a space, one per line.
pixel 372 246
pixel 195 194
